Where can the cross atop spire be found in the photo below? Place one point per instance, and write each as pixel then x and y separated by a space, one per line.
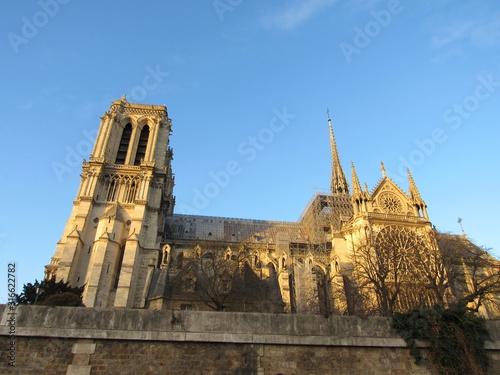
pixel 339 182
pixel 384 174
pixel 462 227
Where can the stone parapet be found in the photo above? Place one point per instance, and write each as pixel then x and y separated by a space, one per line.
pixel 207 326
pixel 92 340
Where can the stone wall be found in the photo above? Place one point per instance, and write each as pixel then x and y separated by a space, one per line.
pixel 67 340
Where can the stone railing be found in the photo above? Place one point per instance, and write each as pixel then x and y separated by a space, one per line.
pixel 379 215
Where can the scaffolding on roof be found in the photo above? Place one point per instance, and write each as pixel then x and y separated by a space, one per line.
pixel 325 214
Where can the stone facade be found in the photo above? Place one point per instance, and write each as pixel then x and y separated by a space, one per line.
pixel 126 246
pixel 72 341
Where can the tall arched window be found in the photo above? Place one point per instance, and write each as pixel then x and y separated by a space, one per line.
pixel 272 269
pixel 124 142
pixel 142 146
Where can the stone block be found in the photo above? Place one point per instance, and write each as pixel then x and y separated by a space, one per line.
pixel 78 370
pixel 81 359
pixel 83 347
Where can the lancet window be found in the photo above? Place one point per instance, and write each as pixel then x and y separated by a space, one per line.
pixel 142 146
pixel 124 143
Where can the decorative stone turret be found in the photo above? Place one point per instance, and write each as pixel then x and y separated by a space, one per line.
pixel 419 205
pixel 360 198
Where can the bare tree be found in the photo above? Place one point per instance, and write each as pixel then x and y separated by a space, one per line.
pixel 473 274
pixel 378 276
pixel 435 269
pixel 404 270
pixel 213 271
pixel 223 275
pixel 386 268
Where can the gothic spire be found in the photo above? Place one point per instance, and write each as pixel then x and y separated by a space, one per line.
pixel 356 187
pixel 339 182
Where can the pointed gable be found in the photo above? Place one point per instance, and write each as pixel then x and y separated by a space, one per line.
pixel 75 233
pixel 105 236
pixel 133 237
pixel 388 197
pixel 114 212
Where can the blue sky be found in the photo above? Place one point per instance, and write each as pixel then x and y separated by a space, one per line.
pixel 411 83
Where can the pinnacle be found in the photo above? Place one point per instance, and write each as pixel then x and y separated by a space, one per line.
pixel 413 190
pixel 356 187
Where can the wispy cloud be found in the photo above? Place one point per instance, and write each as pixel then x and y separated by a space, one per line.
pixel 50 90
pixel 474 33
pixel 487 34
pixel 26 105
pixel 445 56
pixel 45 92
pixel 465 32
pixel 295 14
pixel 450 34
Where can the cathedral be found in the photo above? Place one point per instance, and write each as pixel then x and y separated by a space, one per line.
pixel 353 251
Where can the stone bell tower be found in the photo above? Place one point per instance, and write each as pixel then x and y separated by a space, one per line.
pixel 113 235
